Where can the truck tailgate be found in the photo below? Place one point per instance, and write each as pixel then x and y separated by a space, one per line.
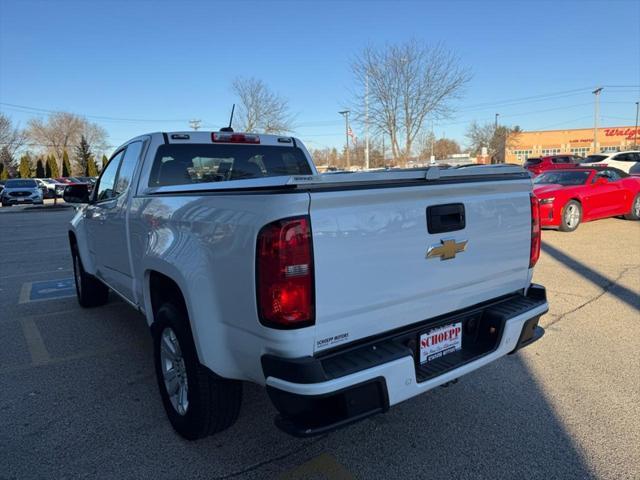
pixel 372 273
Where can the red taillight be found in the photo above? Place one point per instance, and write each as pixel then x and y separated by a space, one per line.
pixel 535 231
pixel 284 265
pixel 228 137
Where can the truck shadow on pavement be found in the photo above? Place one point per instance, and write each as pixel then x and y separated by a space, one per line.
pixel 610 286
pixel 102 416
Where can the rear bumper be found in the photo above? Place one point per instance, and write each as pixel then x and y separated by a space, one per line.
pixel 318 394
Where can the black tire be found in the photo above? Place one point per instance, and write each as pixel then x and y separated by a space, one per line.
pixel 568 222
pixel 213 402
pixel 635 209
pixel 90 291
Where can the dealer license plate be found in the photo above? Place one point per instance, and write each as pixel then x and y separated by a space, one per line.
pixel 440 341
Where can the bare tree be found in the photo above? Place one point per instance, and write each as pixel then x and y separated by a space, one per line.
pixel 443 148
pixel 62 130
pixel 479 136
pixel 407 83
pixel 11 137
pixel 495 139
pixel 260 109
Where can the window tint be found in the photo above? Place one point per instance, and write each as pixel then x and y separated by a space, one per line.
pixel 129 162
pixel 21 184
pixel 594 158
pixel 562 160
pixel 625 157
pixel 197 163
pixel 107 179
pixel 532 161
pixel 610 174
pixel 565 178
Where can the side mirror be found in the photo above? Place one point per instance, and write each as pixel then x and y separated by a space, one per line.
pixel 76 194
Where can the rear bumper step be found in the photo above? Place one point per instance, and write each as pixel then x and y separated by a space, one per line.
pixel 318 394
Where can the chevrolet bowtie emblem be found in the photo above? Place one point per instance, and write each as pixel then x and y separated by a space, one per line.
pixel 447 250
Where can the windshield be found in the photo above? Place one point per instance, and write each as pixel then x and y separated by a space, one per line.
pixel 532 161
pixel 594 158
pixel 562 178
pixel 198 163
pixel 21 184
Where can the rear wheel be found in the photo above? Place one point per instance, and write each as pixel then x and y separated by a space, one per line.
pixel 197 402
pixel 635 209
pixel 571 216
pixel 90 291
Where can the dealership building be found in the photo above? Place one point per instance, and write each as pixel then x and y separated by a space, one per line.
pixel 578 141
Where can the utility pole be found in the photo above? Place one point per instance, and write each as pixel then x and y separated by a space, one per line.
pixel 635 135
pixel 195 124
pixel 432 159
pixel 596 115
pixel 384 154
pixel 496 123
pixel 345 114
pixel 366 123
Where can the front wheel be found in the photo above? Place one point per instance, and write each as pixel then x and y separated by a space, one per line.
pixel 90 291
pixel 571 216
pixel 634 214
pixel 197 402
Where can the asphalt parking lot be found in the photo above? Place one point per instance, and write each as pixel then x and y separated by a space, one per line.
pixel 78 396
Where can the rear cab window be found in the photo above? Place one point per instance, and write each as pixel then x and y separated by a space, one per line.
pixel 184 164
pixel 532 161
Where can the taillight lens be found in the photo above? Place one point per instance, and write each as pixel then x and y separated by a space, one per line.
pixel 227 137
pixel 535 231
pixel 284 264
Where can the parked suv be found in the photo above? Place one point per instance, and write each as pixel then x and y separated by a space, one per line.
pixel 21 191
pixel 628 162
pixel 541 164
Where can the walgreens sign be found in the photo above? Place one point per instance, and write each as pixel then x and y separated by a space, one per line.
pixel 628 133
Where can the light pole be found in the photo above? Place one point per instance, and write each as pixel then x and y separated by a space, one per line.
pixel 366 122
pixel 195 124
pixel 345 114
pixel 596 114
pixel 635 135
pixel 496 123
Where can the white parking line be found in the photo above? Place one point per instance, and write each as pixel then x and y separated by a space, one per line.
pixel 25 293
pixel 37 348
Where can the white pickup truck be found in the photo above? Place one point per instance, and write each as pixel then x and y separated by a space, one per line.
pixel 343 294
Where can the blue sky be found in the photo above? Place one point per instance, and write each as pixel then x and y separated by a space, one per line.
pixel 167 62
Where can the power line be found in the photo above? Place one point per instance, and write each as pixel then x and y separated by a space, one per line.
pixel 561 123
pixel 97 117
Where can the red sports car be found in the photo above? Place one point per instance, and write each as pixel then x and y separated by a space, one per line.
pixel 573 195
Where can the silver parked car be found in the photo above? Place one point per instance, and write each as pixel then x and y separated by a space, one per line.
pixel 20 191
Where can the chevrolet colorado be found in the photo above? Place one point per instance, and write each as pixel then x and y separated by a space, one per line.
pixel 343 294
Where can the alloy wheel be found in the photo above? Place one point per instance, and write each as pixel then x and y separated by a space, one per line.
pixel 174 371
pixel 571 216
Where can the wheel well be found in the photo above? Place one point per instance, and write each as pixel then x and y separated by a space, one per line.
pixel 162 288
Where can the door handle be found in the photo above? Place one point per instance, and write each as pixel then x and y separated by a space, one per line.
pixel 93 215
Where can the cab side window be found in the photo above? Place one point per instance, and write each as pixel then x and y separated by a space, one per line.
pixel 129 162
pixel 104 189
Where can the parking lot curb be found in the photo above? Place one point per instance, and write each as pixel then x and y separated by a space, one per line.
pixel 4 210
